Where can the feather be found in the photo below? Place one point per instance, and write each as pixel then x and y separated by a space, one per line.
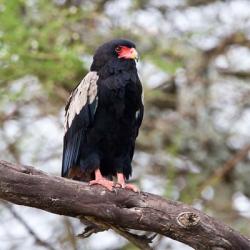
pixel 80 110
pixel 85 92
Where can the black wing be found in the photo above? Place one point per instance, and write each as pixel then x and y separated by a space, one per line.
pixel 138 120
pixel 79 115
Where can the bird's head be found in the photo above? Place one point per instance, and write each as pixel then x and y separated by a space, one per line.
pixel 115 49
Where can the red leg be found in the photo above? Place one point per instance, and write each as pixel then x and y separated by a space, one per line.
pixel 100 180
pixel 123 184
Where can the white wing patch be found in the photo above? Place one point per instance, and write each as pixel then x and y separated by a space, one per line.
pixel 137 114
pixel 85 92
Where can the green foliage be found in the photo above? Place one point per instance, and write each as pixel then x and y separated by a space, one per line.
pixel 36 40
pixel 164 63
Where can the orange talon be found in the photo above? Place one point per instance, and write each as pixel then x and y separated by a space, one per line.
pixel 122 184
pixel 132 187
pixel 100 180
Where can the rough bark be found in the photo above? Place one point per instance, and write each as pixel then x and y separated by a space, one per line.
pixel 119 209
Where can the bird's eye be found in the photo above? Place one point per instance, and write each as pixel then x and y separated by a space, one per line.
pixel 118 49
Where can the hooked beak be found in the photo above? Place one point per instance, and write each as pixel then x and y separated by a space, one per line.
pixel 134 54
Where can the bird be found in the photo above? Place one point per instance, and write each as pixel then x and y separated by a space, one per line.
pixel 102 119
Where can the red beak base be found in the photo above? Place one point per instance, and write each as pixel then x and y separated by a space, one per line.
pixel 127 53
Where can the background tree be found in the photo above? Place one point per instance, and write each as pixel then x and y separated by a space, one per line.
pixel 194 143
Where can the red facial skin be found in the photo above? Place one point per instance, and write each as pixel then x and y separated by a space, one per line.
pixel 127 53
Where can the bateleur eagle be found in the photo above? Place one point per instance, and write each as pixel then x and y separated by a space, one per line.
pixel 102 119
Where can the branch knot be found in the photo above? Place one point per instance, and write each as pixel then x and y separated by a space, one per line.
pixel 188 219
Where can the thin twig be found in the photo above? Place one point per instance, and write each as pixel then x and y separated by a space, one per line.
pixel 38 240
pixel 142 242
pixel 222 171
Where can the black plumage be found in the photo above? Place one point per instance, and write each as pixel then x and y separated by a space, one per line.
pixel 103 115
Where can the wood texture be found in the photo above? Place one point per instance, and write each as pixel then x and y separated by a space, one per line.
pixel 27 186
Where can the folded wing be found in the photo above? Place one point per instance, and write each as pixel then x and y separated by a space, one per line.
pixel 79 116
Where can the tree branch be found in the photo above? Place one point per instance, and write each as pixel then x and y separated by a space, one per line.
pixel 120 210
pixel 225 169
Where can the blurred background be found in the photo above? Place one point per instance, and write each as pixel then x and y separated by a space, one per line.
pixel 195 139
